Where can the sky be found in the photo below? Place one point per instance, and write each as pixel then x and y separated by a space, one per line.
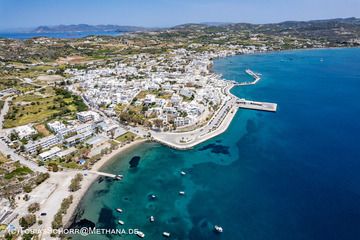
pixel 164 13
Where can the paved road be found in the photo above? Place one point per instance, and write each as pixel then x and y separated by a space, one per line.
pixel 16 157
pixel 4 111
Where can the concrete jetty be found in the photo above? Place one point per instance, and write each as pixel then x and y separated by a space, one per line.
pixel 261 106
pixel 103 174
pixel 256 77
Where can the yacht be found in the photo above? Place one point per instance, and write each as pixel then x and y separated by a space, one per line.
pixel 119 210
pixel 218 229
pixel 182 193
pixel 121 222
pixel 140 234
pixel 166 234
pixel 152 219
pixel 183 173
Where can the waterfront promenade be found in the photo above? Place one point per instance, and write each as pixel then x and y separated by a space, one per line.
pixel 216 126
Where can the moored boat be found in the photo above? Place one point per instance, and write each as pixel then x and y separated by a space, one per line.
pixel 166 234
pixel 119 177
pixel 140 234
pixel 218 229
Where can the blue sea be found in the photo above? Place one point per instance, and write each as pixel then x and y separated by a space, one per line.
pixel 23 36
pixel 289 175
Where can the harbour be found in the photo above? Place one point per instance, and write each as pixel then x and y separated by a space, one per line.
pixel 240 173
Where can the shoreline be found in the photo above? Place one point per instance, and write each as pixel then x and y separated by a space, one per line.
pixel 91 178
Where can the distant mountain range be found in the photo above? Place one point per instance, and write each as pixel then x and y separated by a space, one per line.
pixel 86 28
pixel 332 28
pixel 336 22
pixel 335 30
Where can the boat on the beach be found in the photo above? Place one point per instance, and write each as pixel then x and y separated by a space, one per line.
pixel 140 234
pixel 119 210
pixel 166 234
pixel 152 219
pixel 181 193
pixel 218 229
pixel 121 222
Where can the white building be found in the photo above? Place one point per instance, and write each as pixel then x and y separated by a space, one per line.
pixel 149 99
pixel 71 141
pixel 175 99
pixel 183 121
pixel 186 92
pixel 43 143
pixel 56 126
pixel 25 131
pixel 84 128
pixel 88 116
pixel 49 154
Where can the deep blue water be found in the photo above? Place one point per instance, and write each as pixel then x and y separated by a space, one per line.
pixel 292 175
pixel 57 34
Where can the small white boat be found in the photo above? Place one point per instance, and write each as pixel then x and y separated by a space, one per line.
pixel 152 219
pixel 153 196
pixel 119 177
pixel 121 222
pixel 183 173
pixel 140 234
pixel 182 193
pixel 166 234
pixel 218 229
pixel 119 210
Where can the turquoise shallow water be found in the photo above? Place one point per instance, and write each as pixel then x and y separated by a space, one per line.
pixel 293 174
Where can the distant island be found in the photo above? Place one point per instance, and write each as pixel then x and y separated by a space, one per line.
pixel 86 28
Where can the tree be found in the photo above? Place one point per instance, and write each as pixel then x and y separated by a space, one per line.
pixel 75 183
pixel 27 221
pixel 158 123
pixel 27 188
pixel 34 207
pixel 13 136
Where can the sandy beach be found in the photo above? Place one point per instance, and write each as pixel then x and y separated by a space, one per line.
pixel 91 177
